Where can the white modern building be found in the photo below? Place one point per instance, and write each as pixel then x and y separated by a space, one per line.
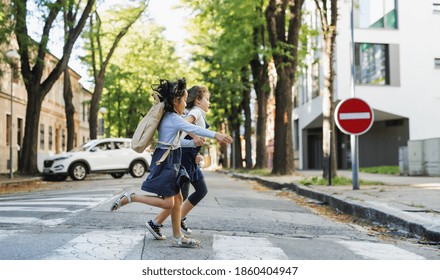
pixel 397 72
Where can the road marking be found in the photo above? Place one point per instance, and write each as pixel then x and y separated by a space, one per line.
pixel 8 233
pixel 99 245
pixel 30 220
pixel 36 209
pixel 379 251
pixel 245 248
pixel 354 116
pixel 57 202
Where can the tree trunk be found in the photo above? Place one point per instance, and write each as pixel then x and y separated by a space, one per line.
pixel 94 107
pixel 283 146
pixel 70 110
pixel 248 120
pixel 261 86
pixel 328 107
pixel 262 98
pixel 236 155
pixel 283 23
pixel 29 150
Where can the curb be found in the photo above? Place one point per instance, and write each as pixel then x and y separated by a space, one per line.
pixel 353 208
pixel 20 182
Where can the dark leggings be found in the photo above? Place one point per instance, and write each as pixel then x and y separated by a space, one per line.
pixel 198 195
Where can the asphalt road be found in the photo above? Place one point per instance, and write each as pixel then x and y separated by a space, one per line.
pixel 238 220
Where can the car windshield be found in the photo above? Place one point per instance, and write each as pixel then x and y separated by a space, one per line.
pixel 83 147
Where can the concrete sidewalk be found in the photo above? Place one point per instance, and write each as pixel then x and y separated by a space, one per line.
pixel 409 204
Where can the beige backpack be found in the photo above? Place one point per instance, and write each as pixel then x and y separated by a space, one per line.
pixel 143 136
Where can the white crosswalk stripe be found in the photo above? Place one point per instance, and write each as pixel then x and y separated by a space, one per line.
pixel 100 245
pixel 245 248
pixel 379 251
pixel 30 221
pixel 59 203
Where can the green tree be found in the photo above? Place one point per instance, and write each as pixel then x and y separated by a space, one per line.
pixel 143 57
pixel 229 36
pixel 104 35
pixel 284 23
pixel 33 53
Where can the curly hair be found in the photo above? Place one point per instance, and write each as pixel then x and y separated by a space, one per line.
pixel 169 91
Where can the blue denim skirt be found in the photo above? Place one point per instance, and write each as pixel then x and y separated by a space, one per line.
pixel 167 178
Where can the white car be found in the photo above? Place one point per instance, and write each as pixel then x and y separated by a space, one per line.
pixel 108 155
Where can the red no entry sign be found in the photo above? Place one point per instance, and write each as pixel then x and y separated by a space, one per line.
pixel 354 116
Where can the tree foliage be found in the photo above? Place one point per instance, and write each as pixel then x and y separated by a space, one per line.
pixel 104 35
pixel 143 58
pixel 224 36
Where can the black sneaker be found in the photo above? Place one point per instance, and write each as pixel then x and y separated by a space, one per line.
pixel 155 230
pixel 184 227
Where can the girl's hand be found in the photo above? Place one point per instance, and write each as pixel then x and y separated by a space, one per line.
pixel 199 141
pixel 223 138
pixel 199 159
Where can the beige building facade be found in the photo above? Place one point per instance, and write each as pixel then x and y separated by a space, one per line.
pixel 52 126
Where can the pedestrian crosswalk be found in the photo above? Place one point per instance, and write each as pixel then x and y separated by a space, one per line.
pixel 130 243
pixel 55 208
pixel 32 209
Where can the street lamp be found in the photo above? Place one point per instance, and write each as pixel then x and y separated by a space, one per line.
pixel 13 56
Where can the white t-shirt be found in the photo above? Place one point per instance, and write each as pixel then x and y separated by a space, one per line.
pixel 199 116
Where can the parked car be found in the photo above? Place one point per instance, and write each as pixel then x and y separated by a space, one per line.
pixel 108 155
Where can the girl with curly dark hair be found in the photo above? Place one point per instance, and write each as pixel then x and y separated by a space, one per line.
pixel 162 180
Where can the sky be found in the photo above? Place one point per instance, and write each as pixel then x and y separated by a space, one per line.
pixel 163 12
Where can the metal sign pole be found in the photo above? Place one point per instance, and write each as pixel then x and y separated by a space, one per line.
pixel 354 161
pixel 353 138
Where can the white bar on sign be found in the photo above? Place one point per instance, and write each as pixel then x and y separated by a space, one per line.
pixel 354 116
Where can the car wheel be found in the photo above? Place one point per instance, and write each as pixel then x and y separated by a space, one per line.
pixel 78 171
pixel 117 175
pixel 138 169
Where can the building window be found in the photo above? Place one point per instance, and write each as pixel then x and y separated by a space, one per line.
pixel 63 140
pixel 42 136
pixel 8 129
pixel 437 62
pixel 50 138
pixel 84 112
pixel 316 80
pixel 436 8
pixel 19 131
pixel 371 64
pixel 375 14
